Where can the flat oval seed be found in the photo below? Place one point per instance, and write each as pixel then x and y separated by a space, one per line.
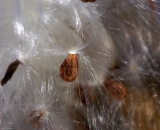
pixel 115 89
pixel 35 118
pixel 10 71
pixel 69 68
pixel 153 7
pixel 86 95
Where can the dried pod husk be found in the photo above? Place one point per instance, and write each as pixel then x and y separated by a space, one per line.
pixel 36 118
pixel 88 0
pixel 69 68
pixel 115 89
pixel 86 95
pixel 10 71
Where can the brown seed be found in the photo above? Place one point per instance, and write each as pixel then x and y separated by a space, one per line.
pixel 115 89
pixel 69 68
pixel 88 0
pixel 35 118
pixel 10 71
pixel 81 123
pixel 80 120
pixel 153 7
pixel 86 95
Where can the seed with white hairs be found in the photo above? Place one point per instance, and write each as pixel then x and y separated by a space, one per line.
pixel 69 68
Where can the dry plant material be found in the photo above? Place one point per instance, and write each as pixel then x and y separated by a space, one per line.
pixel 10 71
pixel 36 118
pixel 86 95
pixel 69 68
pixel 88 0
pixel 115 89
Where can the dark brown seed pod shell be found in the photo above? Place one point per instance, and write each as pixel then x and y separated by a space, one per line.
pixel 86 95
pixel 10 71
pixel 115 89
pixel 88 0
pixel 35 118
pixel 69 68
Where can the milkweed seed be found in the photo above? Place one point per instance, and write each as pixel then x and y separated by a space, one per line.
pixel 10 71
pixel 153 7
pixel 86 95
pixel 35 118
pixel 69 68
pixel 81 121
pixel 115 89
